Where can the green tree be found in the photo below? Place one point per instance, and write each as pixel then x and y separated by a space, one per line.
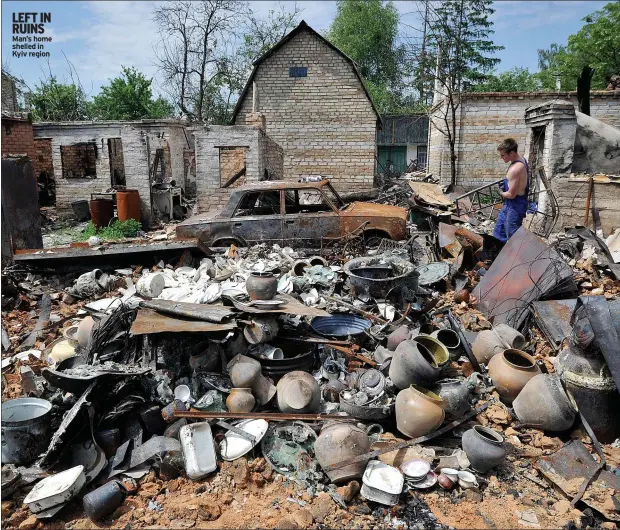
pixel 54 101
pixel 460 57
pixel 596 44
pixel 514 80
pixel 129 97
pixel 367 32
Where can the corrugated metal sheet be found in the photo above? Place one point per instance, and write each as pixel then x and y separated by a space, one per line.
pixel 403 130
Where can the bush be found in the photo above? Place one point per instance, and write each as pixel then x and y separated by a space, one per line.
pixel 117 230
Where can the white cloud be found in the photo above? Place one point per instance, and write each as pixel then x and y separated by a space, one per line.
pixel 529 15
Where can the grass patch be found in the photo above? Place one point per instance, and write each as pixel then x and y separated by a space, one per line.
pixel 117 230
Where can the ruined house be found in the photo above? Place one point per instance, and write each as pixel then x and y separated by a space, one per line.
pixel 92 157
pixel 308 102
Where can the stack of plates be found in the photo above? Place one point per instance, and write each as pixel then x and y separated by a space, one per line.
pixel 418 474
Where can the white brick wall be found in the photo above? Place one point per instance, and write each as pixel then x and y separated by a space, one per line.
pixel 324 122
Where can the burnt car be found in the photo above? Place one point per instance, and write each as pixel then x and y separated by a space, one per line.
pixel 294 213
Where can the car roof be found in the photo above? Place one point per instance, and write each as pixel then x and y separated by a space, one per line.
pixel 282 184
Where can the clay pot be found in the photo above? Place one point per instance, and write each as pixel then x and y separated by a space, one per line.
pixel 413 363
pixel 450 340
pixel 490 342
pixel 245 372
pixel 298 392
pixel 237 345
pixel 439 352
pixel 586 377
pixel 461 296
pixel 338 442
pixel 261 285
pixel 240 400
pixel 85 330
pixel 418 411
pixel 397 336
pixel 262 329
pixel 510 371
pixel 544 404
pixel 455 395
pixel 484 448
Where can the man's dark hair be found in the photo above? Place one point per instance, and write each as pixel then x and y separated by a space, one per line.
pixel 509 145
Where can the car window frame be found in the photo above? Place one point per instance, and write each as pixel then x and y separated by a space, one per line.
pixel 259 192
pixel 325 197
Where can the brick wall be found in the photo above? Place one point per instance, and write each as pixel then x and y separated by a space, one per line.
pixel 18 139
pixel 43 156
pixel 324 122
pixel 232 160
pixel 484 120
pixel 80 160
pixel 9 94
pixel 189 170
pixel 138 140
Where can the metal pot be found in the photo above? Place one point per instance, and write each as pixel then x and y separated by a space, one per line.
pixel 338 442
pixel 439 352
pixel 261 285
pixel 484 448
pixel 450 340
pixel 455 394
pixel 26 429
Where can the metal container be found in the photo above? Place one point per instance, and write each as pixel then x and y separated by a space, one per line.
pixel 80 210
pixel 198 450
pixel 103 501
pixel 128 205
pixel 382 483
pixel 101 212
pixel 344 325
pixel 262 329
pixel 55 490
pixel 378 275
pixel 108 440
pixel 25 429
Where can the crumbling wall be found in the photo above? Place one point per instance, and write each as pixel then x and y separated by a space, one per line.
pixel 324 122
pixel 272 157
pixel 485 119
pixel 43 155
pixel 210 142
pixel 18 139
pixel 597 146
pixel 571 194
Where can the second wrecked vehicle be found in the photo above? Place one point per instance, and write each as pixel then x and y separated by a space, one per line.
pixel 295 212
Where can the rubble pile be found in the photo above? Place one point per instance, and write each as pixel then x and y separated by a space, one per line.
pixel 287 388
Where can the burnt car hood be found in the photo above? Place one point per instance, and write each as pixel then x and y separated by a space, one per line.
pixel 370 209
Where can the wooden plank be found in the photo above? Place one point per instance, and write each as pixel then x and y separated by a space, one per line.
pixel 149 322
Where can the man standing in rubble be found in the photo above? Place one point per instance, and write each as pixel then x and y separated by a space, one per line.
pixel 514 189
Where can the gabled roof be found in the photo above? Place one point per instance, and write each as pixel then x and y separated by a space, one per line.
pixel 302 27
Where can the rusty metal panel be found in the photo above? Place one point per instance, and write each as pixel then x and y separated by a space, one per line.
pixel 570 466
pixel 149 322
pixel 209 313
pixel 526 270
pixel 20 198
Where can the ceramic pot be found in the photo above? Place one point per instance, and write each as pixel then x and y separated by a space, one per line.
pixel 85 330
pixel 450 340
pixel 413 363
pixel 438 350
pixel 262 329
pixel 397 336
pixel 544 404
pixel 587 379
pixel 490 342
pixel 484 448
pixel 298 392
pixel 418 411
pixel 240 400
pixel 237 345
pixel 455 394
pixel 261 285
pixel 338 442
pixel 445 482
pixel 245 372
pixel 510 371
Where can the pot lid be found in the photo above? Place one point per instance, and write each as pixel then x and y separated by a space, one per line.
pixel 383 477
pixel 432 272
pixel 234 446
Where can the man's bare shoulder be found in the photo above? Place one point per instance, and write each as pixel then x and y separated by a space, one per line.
pixel 516 171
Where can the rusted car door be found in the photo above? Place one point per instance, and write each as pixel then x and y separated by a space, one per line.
pixel 309 216
pixel 258 217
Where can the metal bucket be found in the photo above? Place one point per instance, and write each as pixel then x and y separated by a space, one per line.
pixel 25 429
pixel 128 205
pixel 101 211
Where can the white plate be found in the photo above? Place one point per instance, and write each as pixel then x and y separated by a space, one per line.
pixel 234 446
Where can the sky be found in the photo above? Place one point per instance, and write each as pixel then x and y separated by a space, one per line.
pixel 99 37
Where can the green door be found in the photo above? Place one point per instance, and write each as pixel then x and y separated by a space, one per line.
pixel 394 155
